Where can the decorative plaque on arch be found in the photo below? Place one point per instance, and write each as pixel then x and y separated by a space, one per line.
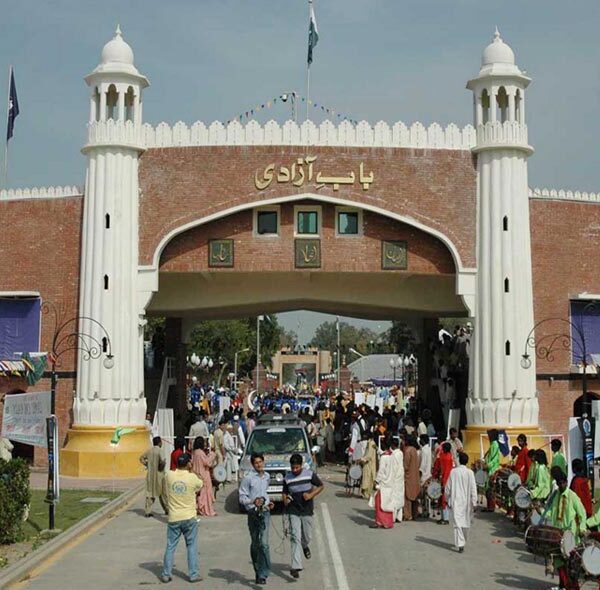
pixel 220 253
pixel 393 255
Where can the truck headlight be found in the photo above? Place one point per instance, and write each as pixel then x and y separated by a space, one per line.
pixel 279 477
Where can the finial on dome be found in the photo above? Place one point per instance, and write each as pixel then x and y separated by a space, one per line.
pixel 119 34
pixel 497 37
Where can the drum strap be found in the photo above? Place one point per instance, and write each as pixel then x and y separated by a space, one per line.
pixel 548 505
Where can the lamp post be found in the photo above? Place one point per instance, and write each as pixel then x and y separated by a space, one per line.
pixel 570 336
pixel 235 365
pixel 396 363
pixel 258 320
pixel 68 337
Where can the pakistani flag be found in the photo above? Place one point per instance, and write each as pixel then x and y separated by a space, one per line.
pixel 313 33
pixel 13 105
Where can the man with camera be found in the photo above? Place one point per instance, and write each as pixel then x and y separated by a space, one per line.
pixel 254 497
pixel 300 487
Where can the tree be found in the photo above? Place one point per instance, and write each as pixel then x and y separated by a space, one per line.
pixel 288 338
pixel 221 339
pixel 401 338
pixel 364 340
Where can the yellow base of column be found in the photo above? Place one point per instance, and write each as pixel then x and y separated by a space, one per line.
pixel 475 444
pixel 88 453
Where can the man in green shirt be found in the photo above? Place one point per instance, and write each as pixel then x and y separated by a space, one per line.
pixel 566 512
pixel 542 485
pixel 492 464
pixel 558 459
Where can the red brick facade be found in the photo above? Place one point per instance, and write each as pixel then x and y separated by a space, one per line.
pixel 436 188
pixel 188 252
pixel 41 245
pixel 565 236
pixel 41 251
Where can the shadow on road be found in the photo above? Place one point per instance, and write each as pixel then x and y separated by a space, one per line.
pixel 155 567
pixel 435 543
pixel 517 581
pixel 361 520
pixel 156 515
pixel 231 577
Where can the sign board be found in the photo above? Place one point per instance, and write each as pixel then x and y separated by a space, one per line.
pixel 24 418
pixel 53 490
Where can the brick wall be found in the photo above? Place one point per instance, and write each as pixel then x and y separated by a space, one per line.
pixel 188 252
pixel 565 236
pixel 40 248
pixel 434 187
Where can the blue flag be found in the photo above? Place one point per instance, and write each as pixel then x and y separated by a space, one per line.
pixel 313 33
pixel 13 106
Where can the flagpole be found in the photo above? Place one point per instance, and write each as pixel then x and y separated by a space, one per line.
pixel 7 114
pixel 308 66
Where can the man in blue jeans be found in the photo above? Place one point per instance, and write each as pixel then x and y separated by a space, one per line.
pixel 181 488
pixel 254 497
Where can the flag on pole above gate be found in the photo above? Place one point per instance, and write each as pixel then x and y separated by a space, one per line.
pixel 313 33
pixel 13 105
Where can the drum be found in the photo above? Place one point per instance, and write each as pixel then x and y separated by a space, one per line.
pixel 481 478
pixel 355 472
pixel 501 491
pixel 514 481
pixel 543 540
pixel 590 559
pixel 433 489
pixel 220 473
pixel 523 498
pixel 568 543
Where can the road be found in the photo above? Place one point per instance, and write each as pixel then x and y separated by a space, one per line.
pixel 347 554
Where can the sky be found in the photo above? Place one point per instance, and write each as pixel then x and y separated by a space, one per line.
pixel 376 60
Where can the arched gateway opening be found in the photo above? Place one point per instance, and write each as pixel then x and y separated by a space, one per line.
pixel 315 253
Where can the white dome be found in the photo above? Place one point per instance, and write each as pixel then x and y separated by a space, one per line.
pixel 497 52
pixel 117 51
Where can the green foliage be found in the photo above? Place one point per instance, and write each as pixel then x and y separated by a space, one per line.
pixel 152 326
pixel 221 339
pixel 364 340
pixel 14 497
pixel 401 338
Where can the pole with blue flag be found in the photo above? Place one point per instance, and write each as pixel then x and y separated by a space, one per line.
pixel 12 110
pixel 313 38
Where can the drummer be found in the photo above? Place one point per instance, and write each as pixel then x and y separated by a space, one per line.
pixel 567 513
pixel 492 464
pixel 523 462
pixel 543 484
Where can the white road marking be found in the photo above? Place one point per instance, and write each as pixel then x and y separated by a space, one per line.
pixel 338 565
pixel 327 585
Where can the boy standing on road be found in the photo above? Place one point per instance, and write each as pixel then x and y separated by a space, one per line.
pixel 181 487
pixel 254 497
pixel 300 486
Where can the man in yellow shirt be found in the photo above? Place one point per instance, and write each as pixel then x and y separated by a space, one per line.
pixel 181 487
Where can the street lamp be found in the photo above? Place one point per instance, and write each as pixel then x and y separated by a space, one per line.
pixel 235 365
pixel 569 336
pixel 396 363
pixel 68 337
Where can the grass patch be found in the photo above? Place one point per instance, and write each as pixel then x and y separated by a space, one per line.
pixel 69 511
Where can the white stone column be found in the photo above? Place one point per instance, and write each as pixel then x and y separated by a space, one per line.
pixel 111 397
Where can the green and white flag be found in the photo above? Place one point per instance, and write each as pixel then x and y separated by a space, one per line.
pixel 313 33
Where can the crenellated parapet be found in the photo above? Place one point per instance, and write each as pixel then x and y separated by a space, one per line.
pixel 326 133
pixel 49 192
pixel 563 195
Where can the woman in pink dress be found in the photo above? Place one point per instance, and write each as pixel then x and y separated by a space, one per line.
pixel 203 460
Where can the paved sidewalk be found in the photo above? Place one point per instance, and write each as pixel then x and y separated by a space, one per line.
pixel 39 481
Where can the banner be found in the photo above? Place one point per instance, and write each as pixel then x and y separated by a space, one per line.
pixel 24 418
pixel 53 488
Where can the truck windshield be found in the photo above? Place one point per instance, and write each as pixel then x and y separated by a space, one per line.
pixel 277 441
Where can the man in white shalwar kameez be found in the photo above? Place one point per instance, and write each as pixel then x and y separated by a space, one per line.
pixel 461 493
pixel 390 486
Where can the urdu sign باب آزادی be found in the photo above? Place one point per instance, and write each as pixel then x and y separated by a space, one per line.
pixel 297 176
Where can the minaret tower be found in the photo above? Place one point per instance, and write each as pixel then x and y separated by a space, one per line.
pixel 106 396
pixel 502 392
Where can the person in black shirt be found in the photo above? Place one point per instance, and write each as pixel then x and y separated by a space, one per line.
pixel 300 486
